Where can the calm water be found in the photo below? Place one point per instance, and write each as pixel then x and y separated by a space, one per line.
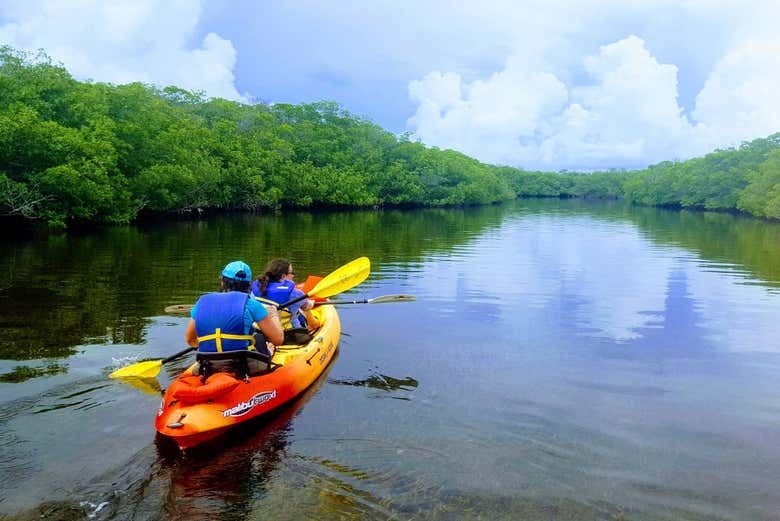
pixel 565 360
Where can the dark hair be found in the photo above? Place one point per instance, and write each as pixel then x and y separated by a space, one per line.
pixel 235 285
pixel 274 271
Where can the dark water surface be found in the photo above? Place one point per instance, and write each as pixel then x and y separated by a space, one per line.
pixel 565 360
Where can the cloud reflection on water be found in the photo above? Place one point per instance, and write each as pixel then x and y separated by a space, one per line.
pixel 605 279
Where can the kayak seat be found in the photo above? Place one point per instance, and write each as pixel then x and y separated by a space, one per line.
pixel 242 364
pixel 292 337
pixel 297 336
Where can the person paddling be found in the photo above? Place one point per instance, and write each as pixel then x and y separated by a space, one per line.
pixel 222 326
pixel 277 286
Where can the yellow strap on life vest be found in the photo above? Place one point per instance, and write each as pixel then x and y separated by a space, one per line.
pixel 266 301
pixel 218 335
pixel 284 315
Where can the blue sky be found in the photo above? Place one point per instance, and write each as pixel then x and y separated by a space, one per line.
pixel 304 53
pixel 551 84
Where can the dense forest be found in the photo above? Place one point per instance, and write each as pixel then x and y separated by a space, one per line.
pixel 84 151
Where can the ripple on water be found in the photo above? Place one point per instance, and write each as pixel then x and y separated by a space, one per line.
pixel 361 477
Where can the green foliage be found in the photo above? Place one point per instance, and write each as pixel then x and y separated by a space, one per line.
pixel 722 180
pixel 82 151
pixel 74 150
pixel 761 196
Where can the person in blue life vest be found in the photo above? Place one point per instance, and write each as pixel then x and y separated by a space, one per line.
pixel 227 322
pixel 277 285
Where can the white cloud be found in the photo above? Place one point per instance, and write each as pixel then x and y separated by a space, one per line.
pixel 124 41
pixel 540 84
pixel 617 105
pixel 739 98
pixel 628 113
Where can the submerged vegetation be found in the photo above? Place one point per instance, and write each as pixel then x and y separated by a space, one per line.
pixel 84 151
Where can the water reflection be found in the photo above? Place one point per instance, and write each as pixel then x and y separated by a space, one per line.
pixel 612 281
pixel 101 285
pixel 149 386
pixel 567 359
pixel 676 330
pixel 20 373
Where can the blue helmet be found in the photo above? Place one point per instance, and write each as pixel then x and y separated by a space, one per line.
pixel 238 270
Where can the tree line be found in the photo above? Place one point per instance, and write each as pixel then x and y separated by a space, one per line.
pixel 84 151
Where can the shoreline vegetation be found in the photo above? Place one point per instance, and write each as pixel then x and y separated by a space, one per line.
pixel 73 151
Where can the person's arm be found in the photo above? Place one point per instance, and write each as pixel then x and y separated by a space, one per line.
pixel 190 335
pixel 271 328
pixel 311 320
pixel 266 319
pixel 304 306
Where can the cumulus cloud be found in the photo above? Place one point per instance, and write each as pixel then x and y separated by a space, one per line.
pixel 124 41
pixel 618 107
pixel 739 97
pixel 546 84
pixel 628 112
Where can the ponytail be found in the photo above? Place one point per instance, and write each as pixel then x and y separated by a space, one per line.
pixel 263 280
pixel 274 271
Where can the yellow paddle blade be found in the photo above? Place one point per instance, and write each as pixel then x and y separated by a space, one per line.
pixel 146 385
pixel 147 369
pixel 346 277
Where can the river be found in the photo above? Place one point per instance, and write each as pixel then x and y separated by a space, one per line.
pixel 564 360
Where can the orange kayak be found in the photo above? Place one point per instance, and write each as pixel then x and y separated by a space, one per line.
pixel 193 412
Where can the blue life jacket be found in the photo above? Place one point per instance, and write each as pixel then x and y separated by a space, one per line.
pixel 219 323
pixel 277 292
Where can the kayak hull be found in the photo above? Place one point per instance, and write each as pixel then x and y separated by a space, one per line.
pixel 191 415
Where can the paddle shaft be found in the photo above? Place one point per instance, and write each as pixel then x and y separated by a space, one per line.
pixel 338 302
pixel 186 308
pixel 384 299
pixel 291 302
pixel 181 308
pixel 177 355
pixel 147 368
